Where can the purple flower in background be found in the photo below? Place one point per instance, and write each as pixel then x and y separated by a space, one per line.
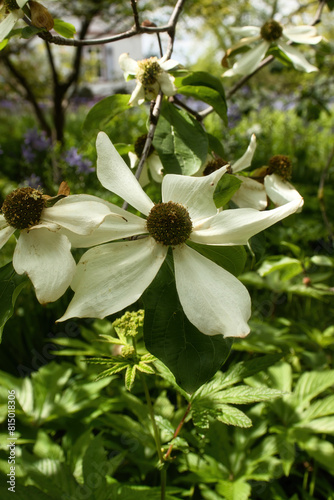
pixel 34 140
pixel 33 181
pixel 75 159
pixel 37 140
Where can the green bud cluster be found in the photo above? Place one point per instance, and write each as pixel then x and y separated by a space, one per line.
pixel 139 146
pixel 130 324
pixel 169 223
pixel 214 165
pixel 149 70
pixel 271 31
pixel 23 208
pixel 280 165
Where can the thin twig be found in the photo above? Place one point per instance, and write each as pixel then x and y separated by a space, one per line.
pixel 177 431
pixel 135 13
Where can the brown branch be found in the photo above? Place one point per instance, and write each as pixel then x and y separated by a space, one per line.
pixel 30 96
pixel 135 13
pixel 176 433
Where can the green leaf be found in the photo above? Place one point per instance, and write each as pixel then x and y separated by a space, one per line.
pixel 95 454
pixel 310 384
pixel 232 258
pixel 3 43
pixel 320 408
pixel 245 369
pixel 233 416
pixel 180 141
pixel 205 87
pixel 130 376
pixel 30 31
pixel 287 266
pixel 234 490
pixel 216 145
pixel 103 112
pixel 225 189
pixel 330 4
pixel 245 395
pixel 191 356
pixel 324 425
pixel 64 29
pixel 11 285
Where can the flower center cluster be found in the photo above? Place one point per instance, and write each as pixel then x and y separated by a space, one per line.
pixel 169 223
pixel 214 165
pixel 280 165
pixel 11 5
pixel 271 31
pixel 139 146
pixel 23 207
pixel 149 70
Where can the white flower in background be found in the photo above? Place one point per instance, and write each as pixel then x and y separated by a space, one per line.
pixel 42 251
pixel 273 181
pixel 11 10
pixel 151 75
pixel 272 33
pixel 112 276
pixel 152 167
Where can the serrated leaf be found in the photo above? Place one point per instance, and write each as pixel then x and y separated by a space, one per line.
pixel 64 29
pixel 310 384
pixel 130 376
pixel 180 141
pixel 245 395
pixel 287 266
pixel 234 490
pixel 112 371
pixel 233 416
pixel 11 285
pixel 232 258
pixel 144 368
pixel 245 369
pixel 101 114
pixel 319 408
pixel 323 425
pixel 192 356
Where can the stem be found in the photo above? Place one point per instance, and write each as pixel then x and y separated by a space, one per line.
pixel 163 472
pixel 176 433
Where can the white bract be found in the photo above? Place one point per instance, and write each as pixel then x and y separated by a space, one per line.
pixel 11 16
pixel 253 193
pixel 152 168
pixel 272 33
pixel 152 77
pixel 114 275
pixel 43 251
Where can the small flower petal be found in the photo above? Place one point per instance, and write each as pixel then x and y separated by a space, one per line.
pixel 246 159
pixel 249 61
pixel 302 34
pixel 155 167
pixel 128 65
pixel 9 22
pixel 115 175
pixel 279 190
pixel 246 31
pixel 194 193
pixel 111 277
pixel 235 227
pixel 46 258
pixel 169 64
pixel 251 194
pixel 166 83
pixel 213 299
pixel 80 217
pixel 297 59
pixel 138 95
pixel 5 233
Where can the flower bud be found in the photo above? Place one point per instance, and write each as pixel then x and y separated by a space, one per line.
pixel 40 16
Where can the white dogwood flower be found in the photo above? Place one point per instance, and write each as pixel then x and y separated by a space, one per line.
pixel 152 77
pixel 270 34
pixel 42 250
pixel 114 275
pixel 11 10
